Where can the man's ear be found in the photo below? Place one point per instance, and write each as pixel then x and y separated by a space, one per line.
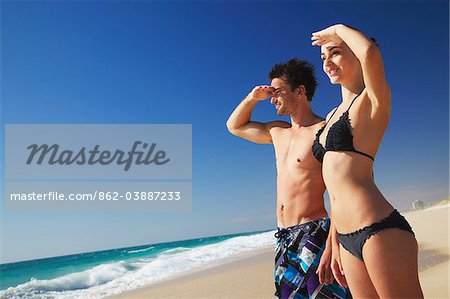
pixel 301 90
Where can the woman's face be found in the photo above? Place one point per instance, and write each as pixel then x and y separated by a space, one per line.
pixel 339 63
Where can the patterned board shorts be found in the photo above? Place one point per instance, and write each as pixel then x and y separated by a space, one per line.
pixel 297 257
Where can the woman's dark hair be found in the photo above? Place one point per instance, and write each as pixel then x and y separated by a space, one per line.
pixel 296 72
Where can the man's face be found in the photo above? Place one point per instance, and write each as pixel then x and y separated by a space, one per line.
pixel 283 98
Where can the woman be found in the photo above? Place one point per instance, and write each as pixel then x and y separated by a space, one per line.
pixel 379 254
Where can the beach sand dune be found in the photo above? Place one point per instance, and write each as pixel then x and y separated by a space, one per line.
pixel 431 227
pixel 251 277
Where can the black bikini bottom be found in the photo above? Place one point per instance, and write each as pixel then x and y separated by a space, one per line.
pixel 354 242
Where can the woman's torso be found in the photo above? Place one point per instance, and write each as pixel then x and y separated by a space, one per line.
pixel 348 174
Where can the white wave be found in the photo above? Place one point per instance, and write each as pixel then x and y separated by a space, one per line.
pixel 141 250
pixel 109 279
pixel 49 288
pixel 175 250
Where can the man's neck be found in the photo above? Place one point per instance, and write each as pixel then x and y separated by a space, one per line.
pixel 303 116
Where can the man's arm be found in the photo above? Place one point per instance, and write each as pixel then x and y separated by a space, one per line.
pixel 239 123
pixel 336 264
pixel 330 266
pixel 324 268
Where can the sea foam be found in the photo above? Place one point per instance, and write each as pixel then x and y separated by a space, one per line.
pixel 116 277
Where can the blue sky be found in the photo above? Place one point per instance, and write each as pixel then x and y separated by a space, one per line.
pixel 188 62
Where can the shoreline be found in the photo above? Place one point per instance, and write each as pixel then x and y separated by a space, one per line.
pixel 251 275
pixel 234 273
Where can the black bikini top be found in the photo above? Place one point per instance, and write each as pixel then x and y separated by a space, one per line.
pixel 339 137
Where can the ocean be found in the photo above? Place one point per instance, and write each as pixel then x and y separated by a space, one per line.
pixel 104 273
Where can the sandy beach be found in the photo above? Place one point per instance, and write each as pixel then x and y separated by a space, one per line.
pixel 251 277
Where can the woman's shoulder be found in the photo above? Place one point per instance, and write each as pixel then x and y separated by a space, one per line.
pixel 379 106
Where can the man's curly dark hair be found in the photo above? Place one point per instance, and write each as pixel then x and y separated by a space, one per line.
pixel 296 72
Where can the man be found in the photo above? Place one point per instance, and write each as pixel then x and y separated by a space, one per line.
pixel 303 264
